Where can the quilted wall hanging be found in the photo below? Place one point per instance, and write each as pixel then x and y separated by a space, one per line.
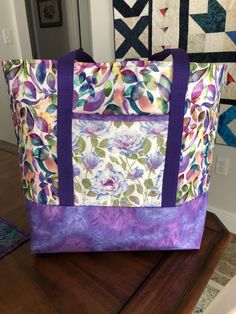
pixel 206 29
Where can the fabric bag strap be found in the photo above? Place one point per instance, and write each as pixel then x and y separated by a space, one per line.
pixel 65 68
pixel 181 72
pixel 175 129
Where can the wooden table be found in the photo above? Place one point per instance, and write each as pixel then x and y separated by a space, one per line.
pixel 130 282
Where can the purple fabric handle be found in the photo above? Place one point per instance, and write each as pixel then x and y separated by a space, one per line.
pixel 64 124
pixel 180 80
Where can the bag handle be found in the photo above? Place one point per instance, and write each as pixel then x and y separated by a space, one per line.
pixel 65 68
pixel 175 129
pixel 181 72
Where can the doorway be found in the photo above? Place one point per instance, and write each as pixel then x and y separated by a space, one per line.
pixel 54 27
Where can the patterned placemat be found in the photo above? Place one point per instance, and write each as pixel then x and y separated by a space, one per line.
pixel 11 237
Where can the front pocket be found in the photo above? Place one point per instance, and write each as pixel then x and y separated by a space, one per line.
pixel 118 160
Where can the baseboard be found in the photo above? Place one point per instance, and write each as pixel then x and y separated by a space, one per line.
pixel 8 147
pixel 228 219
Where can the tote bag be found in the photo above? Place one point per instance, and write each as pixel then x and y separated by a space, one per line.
pixel 115 156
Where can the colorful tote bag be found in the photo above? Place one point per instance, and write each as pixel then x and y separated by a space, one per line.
pixel 115 156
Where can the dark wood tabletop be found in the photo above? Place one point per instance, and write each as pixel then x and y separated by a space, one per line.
pixel 119 282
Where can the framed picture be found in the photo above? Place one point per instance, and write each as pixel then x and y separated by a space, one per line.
pixel 50 14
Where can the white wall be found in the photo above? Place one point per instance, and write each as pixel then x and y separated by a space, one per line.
pixel 222 196
pixel 12 16
pixel 102 30
pixel 85 26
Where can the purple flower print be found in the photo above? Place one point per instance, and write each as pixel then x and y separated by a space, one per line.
pixel 95 128
pixel 154 160
pixel 91 161
pixel 135 174
pixel 109 182
pixel 155 128
pixel 127 144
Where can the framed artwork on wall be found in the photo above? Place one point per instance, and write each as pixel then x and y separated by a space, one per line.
pixel 50 13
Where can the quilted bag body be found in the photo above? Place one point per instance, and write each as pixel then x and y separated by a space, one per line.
pixel 115 156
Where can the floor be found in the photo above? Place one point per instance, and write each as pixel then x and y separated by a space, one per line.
pixel 225 270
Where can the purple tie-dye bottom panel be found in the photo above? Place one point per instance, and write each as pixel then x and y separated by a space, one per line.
pixel 91 228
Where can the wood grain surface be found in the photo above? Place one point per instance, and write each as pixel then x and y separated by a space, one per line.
pixel 162 282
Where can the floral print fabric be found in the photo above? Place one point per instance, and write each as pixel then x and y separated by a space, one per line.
pixel 33 87
pixel 119 163
pixel 199 130
pixel 111 88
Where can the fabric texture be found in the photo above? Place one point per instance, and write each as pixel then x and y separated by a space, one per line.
pixel 33 88
pixel 92 228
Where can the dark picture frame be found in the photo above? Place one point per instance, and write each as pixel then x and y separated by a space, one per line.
pixel 50 13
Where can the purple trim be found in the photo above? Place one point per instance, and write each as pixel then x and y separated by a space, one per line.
pixel 113 117
pixel 97 228
pixel 25 237
pixel 181 72
pixel 64 124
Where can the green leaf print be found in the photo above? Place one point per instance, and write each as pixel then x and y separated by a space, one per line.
pixel 152 194
pixel 193 67
pixel 147 146
pixel 211 71
pixel 86 183
pixel 115 202
pixel 163 151
pixel 185 188
pixel 148 184
pixel 94 141
pixel 179 195
pixel 129 191
pixel 123 163
pixel 202 65
pixel 142 161
pixel 81 146
pixel 117 124
pixel 134 157
pixel 160 141
pixel 139 188
pixel 79 160
pixel 128 123
pixel 134 199
pixel 104 143
pixel 91 194
pixel 100 152
pixel 16 61
pixel 78 187
pixel 107 88
pixel 54 99
pixel 192 151
pixel 115 160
